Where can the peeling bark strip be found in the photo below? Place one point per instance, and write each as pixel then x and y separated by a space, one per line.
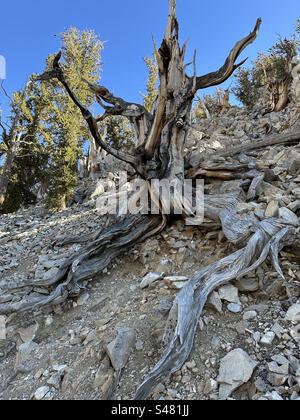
pixel 160 155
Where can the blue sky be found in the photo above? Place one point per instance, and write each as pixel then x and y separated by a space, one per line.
pixel 28 29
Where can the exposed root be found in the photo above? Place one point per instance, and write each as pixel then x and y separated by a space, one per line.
pixel 87 263
pixel 258 241
pixel 268 239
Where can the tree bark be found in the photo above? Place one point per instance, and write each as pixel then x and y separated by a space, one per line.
pixel 6 173
pixel 225 104
pixel 279 95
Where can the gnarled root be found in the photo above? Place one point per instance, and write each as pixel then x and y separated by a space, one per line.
pixel 87 263
pixel 268 239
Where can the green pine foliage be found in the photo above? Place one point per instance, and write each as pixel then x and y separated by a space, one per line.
pixel 119 132
pixel 152 89
pixel 245 89
pixel 32 153
pixel 53 130
pixel 266 69
pixel 199 111
pixel 81 53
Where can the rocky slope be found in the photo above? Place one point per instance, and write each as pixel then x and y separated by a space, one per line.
pixel 102 343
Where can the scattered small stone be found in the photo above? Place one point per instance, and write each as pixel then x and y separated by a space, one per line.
pixel 250 315
pixel 295 333
pixel 41 393
pixel 55 380
pixel 165 305
pixel 120 348
pixel 2 328
pixel 229 293
pixel 25 359
pixel 176 282
pixel 210 386
pixel 261 386
pixel 236 369
pixel 39 374
pixel 261 309
pixel 272 209
pixel 186 379
pixel 235 308
pixel 288 215
pixel 215 302
pixel 268 338
pixel 216 342
pixel 176 279
pixel 273 396
pixel 104 373
pixel 60 368
pixel 49 321
pixel 278 330
pixel 247 285
pixel 83 299
pixel 277 380
pixel 293 313
pixel 29 333
pixel 191 365
pixel 257 336
pixel 139 345
pixel 159 391
pixel 150 278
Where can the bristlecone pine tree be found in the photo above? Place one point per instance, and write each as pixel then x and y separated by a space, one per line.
pixel 271 70
pixel 46 133
pixel 212 105
pixel 160 154
pixel 81 53
pixel 31 153
pixel 12 137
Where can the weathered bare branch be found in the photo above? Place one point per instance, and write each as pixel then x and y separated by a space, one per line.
pixel 5 91
pixel 286 138
pixel 120 106
pixel 221 75
pixel 57 73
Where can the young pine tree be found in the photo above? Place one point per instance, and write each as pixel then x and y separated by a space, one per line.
pixel 81 53
pixel 245 89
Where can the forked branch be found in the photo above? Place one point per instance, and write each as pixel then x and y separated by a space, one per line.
pixel 221 75
pixel 57 73
pixel 119 106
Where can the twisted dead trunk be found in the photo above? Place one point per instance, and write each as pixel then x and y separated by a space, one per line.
pixel 279 95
